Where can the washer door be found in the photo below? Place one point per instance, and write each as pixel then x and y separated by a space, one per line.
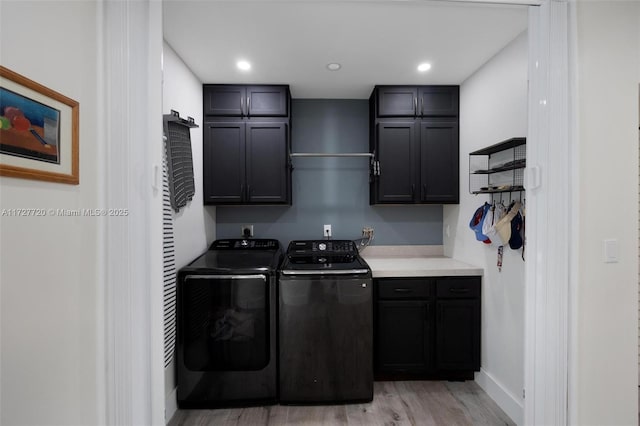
pixel 225 322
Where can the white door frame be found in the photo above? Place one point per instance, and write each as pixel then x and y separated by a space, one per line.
pixel 133 315
pixel 131 96
pixel 549 174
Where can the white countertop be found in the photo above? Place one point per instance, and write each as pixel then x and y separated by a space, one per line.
pixel 420 263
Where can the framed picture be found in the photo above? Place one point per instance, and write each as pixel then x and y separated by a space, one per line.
pixel 39 131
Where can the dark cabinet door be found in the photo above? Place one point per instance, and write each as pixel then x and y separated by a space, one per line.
pixel 224 162
pixel 397 155
pixel 267 101
pixel 438 101
pixel 439 161
pixel 267 166
pixel 224 100
pixel 458 334
pixel 403 335
pixel 394 101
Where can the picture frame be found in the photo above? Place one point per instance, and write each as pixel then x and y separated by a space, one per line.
pixel 39 131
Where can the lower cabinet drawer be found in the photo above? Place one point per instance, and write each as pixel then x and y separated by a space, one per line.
pixel 395 289
pixel 458 288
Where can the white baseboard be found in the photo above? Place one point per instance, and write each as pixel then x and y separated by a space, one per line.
pixel 509 403
pixel 170 405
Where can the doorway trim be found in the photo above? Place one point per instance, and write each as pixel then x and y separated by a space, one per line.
pixel 549 178
pixel 133 320
pixel 131 94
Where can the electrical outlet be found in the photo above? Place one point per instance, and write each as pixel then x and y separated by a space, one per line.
pixel 367 232
pixel 326 232
pixel 247 231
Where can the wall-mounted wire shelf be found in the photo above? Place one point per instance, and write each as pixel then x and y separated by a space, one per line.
pixel 498 168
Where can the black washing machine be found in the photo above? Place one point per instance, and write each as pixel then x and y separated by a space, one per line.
pixel 226 307
pixel 325 317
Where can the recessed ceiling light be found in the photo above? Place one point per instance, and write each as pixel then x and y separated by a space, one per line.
pixel 334 66
pixel 243 65
pixel 424 67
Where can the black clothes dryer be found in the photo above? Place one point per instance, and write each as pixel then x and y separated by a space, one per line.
pixel 226 307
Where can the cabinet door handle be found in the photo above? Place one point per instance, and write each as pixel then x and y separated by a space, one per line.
pixel 415 106
pixel 241 106
pixel 248 191
pixel 459 290
pixel 402 290
pixel 248 106
pixel 421 106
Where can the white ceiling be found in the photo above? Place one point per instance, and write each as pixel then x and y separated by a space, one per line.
pixel 377 42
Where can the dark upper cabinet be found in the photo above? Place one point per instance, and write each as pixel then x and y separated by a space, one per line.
pixel 396 153
pixel 246 144
pixel 267 101
pixel 436 101
pixel 224 100
pixel 416 101
pixel 418 162
pixel 246 163
pixel 417 152
pixel 224 162
pixel 439 161
pixel 267 163
pixel 395 101
pixel 230 100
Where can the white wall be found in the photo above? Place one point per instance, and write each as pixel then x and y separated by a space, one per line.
pixel 608 73
pixel 182 91
pixel 194 226
pixel 49 285
pixel 493 108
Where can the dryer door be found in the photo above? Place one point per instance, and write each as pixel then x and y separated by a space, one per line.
pixel 224 322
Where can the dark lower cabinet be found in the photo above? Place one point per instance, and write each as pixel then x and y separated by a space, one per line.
pixel 246 163
pixel 458 335
pixel 403 335
pixel 427 327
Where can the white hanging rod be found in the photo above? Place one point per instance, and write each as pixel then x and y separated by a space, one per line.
pixel 322 154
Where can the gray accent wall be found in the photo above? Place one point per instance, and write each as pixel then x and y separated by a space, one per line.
pixel 332 190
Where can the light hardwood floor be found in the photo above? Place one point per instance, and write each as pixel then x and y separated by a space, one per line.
pixel 394 403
